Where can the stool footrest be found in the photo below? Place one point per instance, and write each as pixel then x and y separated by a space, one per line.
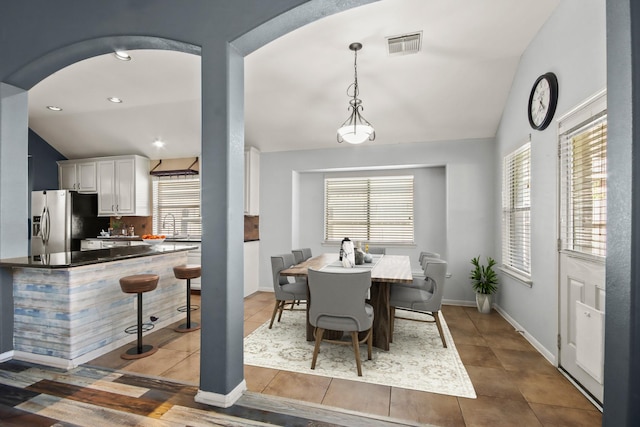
pixel 134 328
pixel 184 308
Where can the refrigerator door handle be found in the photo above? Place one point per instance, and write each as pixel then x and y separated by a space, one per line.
pixel 47 223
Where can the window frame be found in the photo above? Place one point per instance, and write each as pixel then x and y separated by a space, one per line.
pixel 372 221
pixel 516 202
pixel 189 225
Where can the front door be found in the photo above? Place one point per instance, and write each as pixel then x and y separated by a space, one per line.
pixel 582 249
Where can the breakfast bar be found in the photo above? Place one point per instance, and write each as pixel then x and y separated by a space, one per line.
pixel 69 307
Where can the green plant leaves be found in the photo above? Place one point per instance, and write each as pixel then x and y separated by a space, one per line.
pixel 484 279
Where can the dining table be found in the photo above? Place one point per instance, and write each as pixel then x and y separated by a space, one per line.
pixel 386 270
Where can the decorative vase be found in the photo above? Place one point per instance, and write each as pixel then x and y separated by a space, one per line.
pixel 483 302
pixel 346 239
pixel 359 256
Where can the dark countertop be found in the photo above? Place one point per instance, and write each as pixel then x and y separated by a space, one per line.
pixel 196 239
pixel 78 258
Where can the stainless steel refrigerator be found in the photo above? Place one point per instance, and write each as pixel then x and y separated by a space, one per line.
pixel 60 219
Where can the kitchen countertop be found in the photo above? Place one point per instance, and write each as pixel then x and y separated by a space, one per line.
pixel 139 239
pixel 79 258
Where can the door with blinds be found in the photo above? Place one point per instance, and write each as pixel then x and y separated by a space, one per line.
pixel 582 243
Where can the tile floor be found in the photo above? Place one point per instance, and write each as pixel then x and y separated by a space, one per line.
pixel 514 383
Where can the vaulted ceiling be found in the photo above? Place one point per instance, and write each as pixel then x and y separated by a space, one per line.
pixel 455 87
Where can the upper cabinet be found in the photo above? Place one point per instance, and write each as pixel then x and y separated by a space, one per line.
pixel 124 186
pixel 251 181
pixel 79 175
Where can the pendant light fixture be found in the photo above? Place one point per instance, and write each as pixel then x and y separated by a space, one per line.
pixel 356 129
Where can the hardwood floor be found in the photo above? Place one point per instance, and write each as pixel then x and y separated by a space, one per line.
pixel 514 383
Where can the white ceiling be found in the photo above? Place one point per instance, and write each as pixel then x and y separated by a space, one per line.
pixel 295 87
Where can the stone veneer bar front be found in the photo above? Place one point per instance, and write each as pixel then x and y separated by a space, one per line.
pixel 67 315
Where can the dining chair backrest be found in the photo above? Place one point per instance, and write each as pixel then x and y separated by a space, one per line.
pixel 428 255
pixel 302 254
pixel 338 300
pixel 279 263
pixel 435 271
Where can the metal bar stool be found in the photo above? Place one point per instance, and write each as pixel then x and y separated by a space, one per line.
pixel 138 284
pixel 187 272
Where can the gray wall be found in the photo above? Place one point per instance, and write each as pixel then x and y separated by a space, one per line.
pixel 572 45
pixel 459 175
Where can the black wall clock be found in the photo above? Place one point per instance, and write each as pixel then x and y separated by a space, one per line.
pixel 543 101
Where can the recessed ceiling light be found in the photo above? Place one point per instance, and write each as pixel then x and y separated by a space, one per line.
pixel 158 143
pixel 115 100
pixel 122 55
pixel 53 108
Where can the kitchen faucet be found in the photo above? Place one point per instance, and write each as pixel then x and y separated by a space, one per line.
pixel 174 222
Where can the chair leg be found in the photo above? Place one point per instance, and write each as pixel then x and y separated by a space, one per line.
pixel 437 319
pixel 318 333
pixel 392 323
pixel 356 350
pixel 275 310
pixel 369 343
pixel 282 304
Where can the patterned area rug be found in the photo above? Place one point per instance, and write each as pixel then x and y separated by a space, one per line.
pixel 415 361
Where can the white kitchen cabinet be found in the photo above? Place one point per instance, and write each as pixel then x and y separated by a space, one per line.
pixel 251 181
pixel 251 262
pixel 123 186
pixel 79 175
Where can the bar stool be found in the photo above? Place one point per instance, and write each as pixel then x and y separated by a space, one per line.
pixel 187 272
pixel 138 284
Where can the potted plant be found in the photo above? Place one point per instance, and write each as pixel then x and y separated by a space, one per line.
pixel 485 283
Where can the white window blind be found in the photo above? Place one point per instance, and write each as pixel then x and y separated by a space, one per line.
pixel 372 209
pixel 516 211
pixel 583 174
pixel 177 198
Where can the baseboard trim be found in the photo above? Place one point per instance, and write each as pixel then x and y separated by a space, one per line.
pixel 534 342
pixel 221 400
pixel 7 355
pixel 463 303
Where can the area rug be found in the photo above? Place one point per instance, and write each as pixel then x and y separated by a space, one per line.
pixel 416 359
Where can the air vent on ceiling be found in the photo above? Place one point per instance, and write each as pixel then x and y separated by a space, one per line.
pixel 405 44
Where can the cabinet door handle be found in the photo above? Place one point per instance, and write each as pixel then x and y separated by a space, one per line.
pixel 112 207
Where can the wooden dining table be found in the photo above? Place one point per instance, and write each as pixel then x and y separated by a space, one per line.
pixel 387 271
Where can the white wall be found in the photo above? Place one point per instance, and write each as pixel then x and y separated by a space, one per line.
pixel 572 44
pixel 459 175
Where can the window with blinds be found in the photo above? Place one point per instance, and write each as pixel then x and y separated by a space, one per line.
pixel 516 211
pixel 583 174
pixel 179 199
pixel 372 209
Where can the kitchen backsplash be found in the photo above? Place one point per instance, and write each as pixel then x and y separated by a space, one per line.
pixel 142 224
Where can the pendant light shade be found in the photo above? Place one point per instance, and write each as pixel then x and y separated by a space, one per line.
pixel 356 129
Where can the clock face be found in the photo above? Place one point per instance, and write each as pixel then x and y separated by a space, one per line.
pixel 543 101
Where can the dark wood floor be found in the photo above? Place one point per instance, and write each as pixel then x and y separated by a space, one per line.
pixel 514 383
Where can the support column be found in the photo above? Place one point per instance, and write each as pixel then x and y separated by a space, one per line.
pixel 622 325
pixel 14 196
pixel 222 285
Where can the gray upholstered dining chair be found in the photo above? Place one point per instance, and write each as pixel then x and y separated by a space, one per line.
pixel 338 303
pixel 302 254
pixel 424 295
pixel 378 250
pixel 286 292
